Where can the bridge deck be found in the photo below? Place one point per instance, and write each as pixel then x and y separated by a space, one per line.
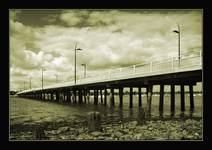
pixel 188 70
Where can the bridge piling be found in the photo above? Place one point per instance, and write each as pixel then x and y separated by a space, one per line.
pixel 161 98
pixel 75 96
pixel 172 98
pixel 52 96
pixel 57 97
pixel 105 97
pixel 120 97
pixel 62 97
pixel 80 96
pixel 101 96
pixel 68 96
pixel 95 97
pixel 112 104
pixel 149 99
pixel 71 97
pixel 48 94
pixel 182 94
pixel 88 95
pixel 42 96
pixel 84 96
pixel 139 97
pixel 191 97
pixel 65 96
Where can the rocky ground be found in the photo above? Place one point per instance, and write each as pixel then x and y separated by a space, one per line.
pixel 189 129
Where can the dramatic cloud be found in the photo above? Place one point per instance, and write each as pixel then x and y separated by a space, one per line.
pixel 108 39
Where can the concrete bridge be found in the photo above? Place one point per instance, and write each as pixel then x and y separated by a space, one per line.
pixel 170 71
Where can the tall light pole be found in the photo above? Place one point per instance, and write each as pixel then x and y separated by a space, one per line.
pixel 30 82
pixel 24 86
pixel 75 63
pixel 178 32
pixel 84 70
pixel 43 69
pixel 56 75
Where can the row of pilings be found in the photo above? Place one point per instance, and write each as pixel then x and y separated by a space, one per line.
pixel 70 95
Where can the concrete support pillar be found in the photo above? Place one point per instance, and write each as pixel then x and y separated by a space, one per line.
pixel 57 96
pixel 42 97
pixel 52 96
pixel 72 96
pixel 139 97
pixel 131 97
pixel 182 94
pixel 95 97
pixel 105 97
pixel 60 98
pixel 172 98
pixel 75 96
pixel 88 95
pixel 191 97
pixel 48 96
pixel 80 96
pixel 112 103
pixel 121 97
pixel 84 95
pixel 68 96
pixel 149 99
pixel 101 96
pixel 64 96
pixel 161 102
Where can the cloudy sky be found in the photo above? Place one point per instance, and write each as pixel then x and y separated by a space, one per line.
pixel 109 39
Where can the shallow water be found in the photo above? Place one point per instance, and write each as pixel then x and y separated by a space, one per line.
pixel 27 111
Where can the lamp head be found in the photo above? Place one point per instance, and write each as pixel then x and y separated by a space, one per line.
pixel 79 49
pixel 176 31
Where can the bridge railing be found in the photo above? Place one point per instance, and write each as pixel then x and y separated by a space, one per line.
pixel 168 65
pixel 188 61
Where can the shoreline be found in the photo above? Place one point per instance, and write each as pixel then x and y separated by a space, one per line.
pixel 159 130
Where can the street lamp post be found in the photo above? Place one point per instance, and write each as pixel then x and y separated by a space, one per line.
pixel 56 75
pixel 75 66
pixel 84 70
pixel 178 32
pixel 24 86
pixel 30 82
pixel 43 69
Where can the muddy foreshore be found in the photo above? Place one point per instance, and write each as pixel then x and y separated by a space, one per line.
pixel 76 130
